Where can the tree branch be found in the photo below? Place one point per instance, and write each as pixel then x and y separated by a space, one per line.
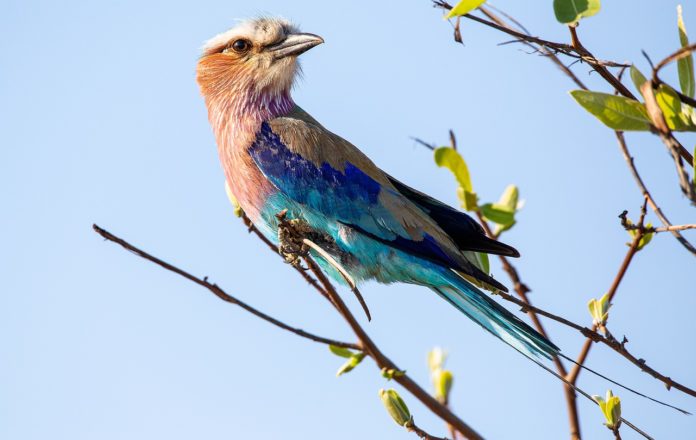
pixel 594 336
pixel 370 348
pixel 575 372
pixel 365 343
pixel 646 193
pixel 219 292
pixel 412 427
pixel 521 289
pixel 565 49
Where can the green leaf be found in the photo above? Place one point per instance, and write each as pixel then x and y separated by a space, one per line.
pixel 570 11
pixel 340 351
pixel 237 210
pixel 464 7
pixel 451 159
pixel 353 362
pixel 436 359
pixel 469 199
pixel 647 237
pixel 391 373
pixel 599 309
pixel 509 200
pixel 637 77
pixel 396 407
pixel 685 65
pixel 611 408
pixel 671 106
pixel 498 214
pixel 442 383
pixel 615 112
pixel 510 197
pixel 644 240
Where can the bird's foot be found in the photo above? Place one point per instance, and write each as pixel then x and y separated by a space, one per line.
pixel 291 234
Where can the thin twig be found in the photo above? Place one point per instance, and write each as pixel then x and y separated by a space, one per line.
pixel 346 276
pixel 563 48
pixel 646 193
pixel 632 250
pixel 425 144
pixel 522 289
pixel 675 148
pixel 219 292
pixel 673 228
pixel 382 361
pixel 411 426
pixel 600 67
pixel 542 49
pixel 253 230
pixel 594 336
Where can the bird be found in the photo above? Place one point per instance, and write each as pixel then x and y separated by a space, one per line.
pixel 277 158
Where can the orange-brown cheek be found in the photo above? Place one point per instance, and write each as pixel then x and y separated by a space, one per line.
pixel 214 71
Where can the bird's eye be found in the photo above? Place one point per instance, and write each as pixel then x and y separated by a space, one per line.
pixel 241 46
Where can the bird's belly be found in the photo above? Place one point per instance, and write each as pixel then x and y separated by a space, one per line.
pixel 248 185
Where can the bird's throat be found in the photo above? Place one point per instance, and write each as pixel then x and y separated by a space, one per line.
pixel 236 116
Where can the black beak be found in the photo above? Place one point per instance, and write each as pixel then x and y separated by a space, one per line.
pixel 294 44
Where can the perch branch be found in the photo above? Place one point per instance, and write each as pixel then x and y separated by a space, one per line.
pixel 219 292
pixel 365 343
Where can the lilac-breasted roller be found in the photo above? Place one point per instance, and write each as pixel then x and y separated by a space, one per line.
pixel 277 157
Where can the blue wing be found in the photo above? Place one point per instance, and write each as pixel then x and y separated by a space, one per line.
pixel 325 173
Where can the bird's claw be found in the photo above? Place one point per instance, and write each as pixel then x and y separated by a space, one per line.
pixel 290 238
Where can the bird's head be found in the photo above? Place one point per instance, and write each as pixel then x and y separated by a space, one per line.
pixel 256 57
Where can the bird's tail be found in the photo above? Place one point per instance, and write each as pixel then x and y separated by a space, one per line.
pixel 510 329
pixel 493 317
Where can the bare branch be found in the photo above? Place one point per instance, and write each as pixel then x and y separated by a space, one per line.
pixel 420 433
pixel 521 289
pixel 653 229
pixel 370 348
pixel 594 336
pixel 565 49
pixel 382 361
pixel 573 376
pixel 219 292
pixel 346 276
pixel 646 193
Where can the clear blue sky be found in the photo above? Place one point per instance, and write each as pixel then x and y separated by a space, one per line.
pixel 101 121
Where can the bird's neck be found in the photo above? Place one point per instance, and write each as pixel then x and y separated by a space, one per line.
pixel 237 115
